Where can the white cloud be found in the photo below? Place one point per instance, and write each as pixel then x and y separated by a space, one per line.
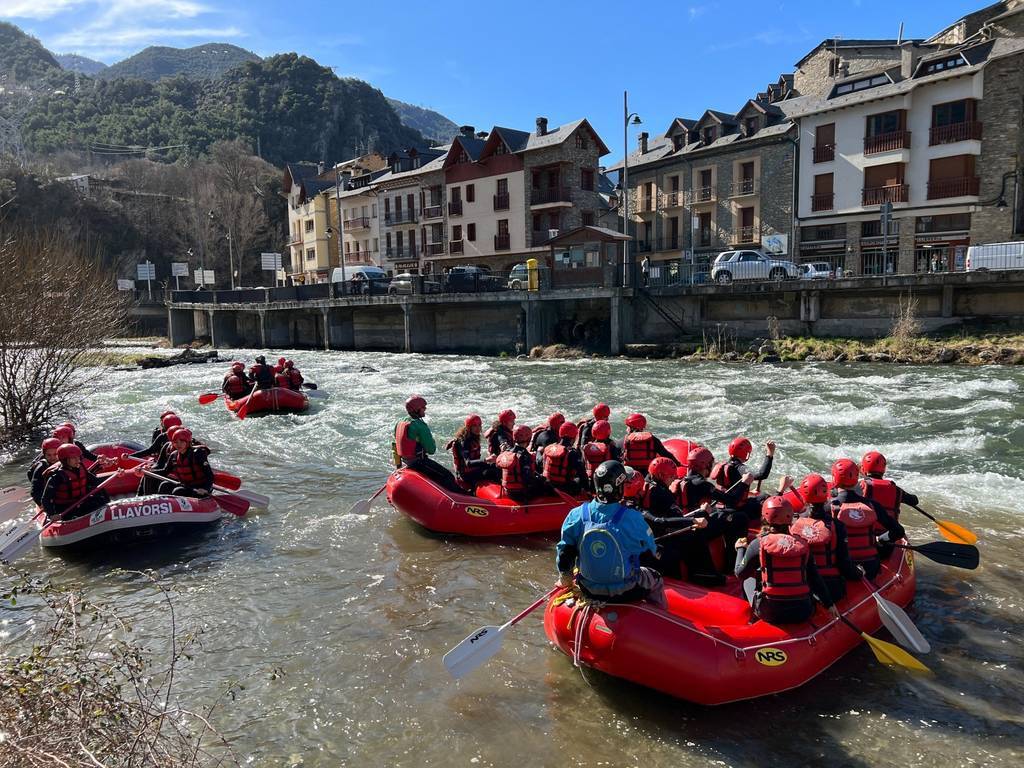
pixel 36 9
pixel 114 39
pixel 696 11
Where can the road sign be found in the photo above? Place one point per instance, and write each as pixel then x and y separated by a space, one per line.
pixel 776 245
pixel 126 285
pixel 147 271
pixel 204 277
pixel 179 269
pixel 271 262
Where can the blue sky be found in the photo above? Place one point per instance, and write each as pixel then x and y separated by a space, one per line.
pixel 506 63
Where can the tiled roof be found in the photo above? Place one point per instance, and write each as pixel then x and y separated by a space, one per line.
pixel 436 164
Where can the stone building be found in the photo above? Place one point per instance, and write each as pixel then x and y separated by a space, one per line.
pixel 932 129
pixel 411 205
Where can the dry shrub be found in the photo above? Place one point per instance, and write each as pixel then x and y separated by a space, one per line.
pixel 57 306
pixel 721 342
pixel 87 693
pixel 906 330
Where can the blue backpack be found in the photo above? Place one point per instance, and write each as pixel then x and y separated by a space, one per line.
pixel 600 557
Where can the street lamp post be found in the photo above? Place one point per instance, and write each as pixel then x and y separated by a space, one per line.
pixel 626 116
pixel 341 223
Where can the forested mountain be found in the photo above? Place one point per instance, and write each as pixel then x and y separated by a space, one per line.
pixel 287 106
pixel 202 62
pixel 433 125
pixel 22 57
pixel 75 63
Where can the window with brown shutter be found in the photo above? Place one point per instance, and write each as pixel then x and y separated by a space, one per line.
pixel 470 193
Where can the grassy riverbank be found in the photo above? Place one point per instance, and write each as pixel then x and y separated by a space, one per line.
pixel 961 349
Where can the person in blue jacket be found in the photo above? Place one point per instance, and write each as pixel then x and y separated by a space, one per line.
pixel 604 539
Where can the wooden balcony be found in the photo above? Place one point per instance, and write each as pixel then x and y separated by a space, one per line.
pixel 825 153
pixel 947 134
pixel 501 202
pixel 455 208
pixel 502 242
pixel 551 195
pixel 960 187
pixel 886 142
pixel 894 193
pixel 823 201
pixel 359 222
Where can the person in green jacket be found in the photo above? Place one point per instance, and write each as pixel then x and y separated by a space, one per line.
pixel 414 443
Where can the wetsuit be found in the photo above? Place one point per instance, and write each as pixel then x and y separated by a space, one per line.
pixel 691 492
pixel 470 468
pixel 187 472
pixel 295 378
pixel 543 437
pixel 784 610
pixel 262 375
pixel 65 487
pixel 499 440
pixel 729 473
pixel 159 441
pixel 839 567
pixel 37 477
pixel 658 506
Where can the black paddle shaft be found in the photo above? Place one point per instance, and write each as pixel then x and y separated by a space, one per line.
pixel 964 556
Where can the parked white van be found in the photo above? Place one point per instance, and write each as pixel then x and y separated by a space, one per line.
pixel 995 256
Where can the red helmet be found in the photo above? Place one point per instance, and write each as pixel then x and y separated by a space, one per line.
pixel 278 368
pixel 740 448
pixel 238 366
pixel 663 469
pixel 844 473
pixel 170 420
pixel 814 489
pixel 289 364
pixel 69 426
pixel 173 431
pixel 568 429
pixel 555 420
pixel 415 404
pixel 507 417
pixel 68 450
pixel 63 434
pixel 602 412
pixel 636 421
pixel 873 463
pixel 777 510
pixel 522 434
pixel 51 444
pixel 473 420
pixel 183 435
pixel 634 484
pixel 601 430
pixel 281 361
pixel 171 413
pixel 700 460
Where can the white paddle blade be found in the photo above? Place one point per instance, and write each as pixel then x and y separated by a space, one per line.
pixel 20 540
pixel 361 507
pixel 314 393
pixel 11 509
pixel 14 493
pixel 900 626
pixel 256 500
pixel 749 588
pixel 473 651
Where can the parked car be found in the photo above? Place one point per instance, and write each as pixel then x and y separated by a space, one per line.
pixel 466 279
pixel 995 256
pixel 361 279
pixel 405 283
pixel 819 270
pixel 751 265
pixel 518 278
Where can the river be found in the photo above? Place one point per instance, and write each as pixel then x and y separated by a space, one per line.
pixel 356 611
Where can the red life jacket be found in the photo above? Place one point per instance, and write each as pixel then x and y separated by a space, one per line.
pixel 678 489
pixel 795 500
pixel 511 471
pixel 188 467
pixel 74 486
pixel 638 451
pixel 407 448
pixel 859 520
pixel 595 454
pixel 784 566
pixel 725 475
pixel 472 445
pixel 556 464
pixel 883 492
pixel 295 378
pixel 820 536
pixel 282 380
pixel 235 386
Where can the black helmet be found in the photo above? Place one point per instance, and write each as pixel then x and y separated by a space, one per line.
pixel 261 359
pixel 609 481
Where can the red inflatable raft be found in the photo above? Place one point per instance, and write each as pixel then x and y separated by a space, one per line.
pixel 708 648
pixel 488 513
pixel 142 517
pixel 274 400
pixel 126 484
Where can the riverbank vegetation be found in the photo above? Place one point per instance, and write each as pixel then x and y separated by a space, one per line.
pixel 83 690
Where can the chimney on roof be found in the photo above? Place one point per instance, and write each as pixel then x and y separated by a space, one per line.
pixel 467 131
pixel 907 60
pixel 844 69
pixel 642 141
pixel 481 134
pixel 320 168
pixel 542 126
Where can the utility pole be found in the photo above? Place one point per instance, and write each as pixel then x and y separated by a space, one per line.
pixel 341 223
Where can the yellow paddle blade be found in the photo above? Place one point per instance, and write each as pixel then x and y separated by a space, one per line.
pixel 893 655
pixel 956 533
